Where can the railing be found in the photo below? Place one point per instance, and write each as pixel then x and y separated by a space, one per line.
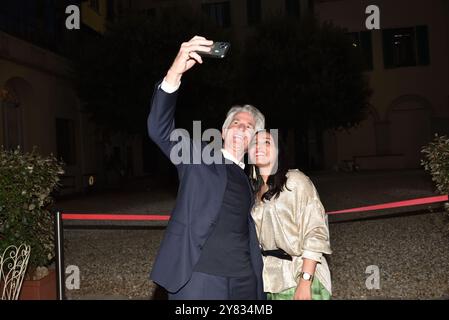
pixel 13 265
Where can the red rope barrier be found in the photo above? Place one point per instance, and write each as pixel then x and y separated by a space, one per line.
pixel 128 217
pixel 143 217
pixel 398 204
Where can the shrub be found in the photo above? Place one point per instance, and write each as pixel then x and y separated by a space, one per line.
pixel 436 160
pixel 26 183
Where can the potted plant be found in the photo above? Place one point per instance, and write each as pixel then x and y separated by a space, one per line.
pixel 436 161
pixel 26 183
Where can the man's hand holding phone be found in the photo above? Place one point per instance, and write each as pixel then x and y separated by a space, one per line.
pixel 187 57
pixel 218 50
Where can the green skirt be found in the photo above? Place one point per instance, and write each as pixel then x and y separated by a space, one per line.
pixel 319 292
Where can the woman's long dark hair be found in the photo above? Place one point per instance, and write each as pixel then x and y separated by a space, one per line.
pixel 276 182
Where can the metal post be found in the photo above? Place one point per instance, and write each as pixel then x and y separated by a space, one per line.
pixel 59 255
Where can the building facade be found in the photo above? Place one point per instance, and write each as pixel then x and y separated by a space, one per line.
pixel 39 107
pixel 407 65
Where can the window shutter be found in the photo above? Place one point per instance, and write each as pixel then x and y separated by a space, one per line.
pixel 422 45
pixel 387 48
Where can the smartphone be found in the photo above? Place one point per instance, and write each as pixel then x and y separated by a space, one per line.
pixel 218 50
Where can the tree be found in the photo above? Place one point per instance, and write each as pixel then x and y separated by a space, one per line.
pixel 305 75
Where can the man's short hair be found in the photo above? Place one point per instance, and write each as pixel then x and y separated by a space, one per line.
pixel 259 118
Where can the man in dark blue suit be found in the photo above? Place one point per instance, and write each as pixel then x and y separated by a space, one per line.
pixel 210 248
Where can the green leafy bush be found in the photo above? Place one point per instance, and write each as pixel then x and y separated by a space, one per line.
pixel 436 160
pixel 26 183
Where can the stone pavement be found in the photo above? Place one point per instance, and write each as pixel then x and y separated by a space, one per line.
pixel 409 246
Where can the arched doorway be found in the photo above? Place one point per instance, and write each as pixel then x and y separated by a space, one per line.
pixel 410 128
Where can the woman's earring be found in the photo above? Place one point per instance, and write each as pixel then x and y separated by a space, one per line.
pixel 254 173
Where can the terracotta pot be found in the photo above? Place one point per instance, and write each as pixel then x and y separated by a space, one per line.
pixel 43 289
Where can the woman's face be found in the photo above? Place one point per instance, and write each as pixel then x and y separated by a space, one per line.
pixel 262 150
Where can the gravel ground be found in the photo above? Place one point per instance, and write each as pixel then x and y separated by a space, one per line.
pixel 113 263
pixel 410 252
pixel 409 246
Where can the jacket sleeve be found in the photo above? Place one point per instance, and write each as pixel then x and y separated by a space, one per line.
pixel 313 220
pixel 174 143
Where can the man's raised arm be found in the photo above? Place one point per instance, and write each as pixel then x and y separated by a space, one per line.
pixel 161 120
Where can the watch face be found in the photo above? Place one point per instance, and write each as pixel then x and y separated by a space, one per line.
pixel 306 276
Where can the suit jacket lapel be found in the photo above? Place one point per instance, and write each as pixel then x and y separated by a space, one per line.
pixel 223 173
pixel 250 191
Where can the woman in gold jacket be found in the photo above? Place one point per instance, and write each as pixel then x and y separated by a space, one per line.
pixel 291 225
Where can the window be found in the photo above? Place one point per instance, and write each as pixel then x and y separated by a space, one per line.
pixel 32 20
pixel 362 41
pixel 65 140
pixel 95 5
pixel 406 47
pixel 292 8
pixel 219 12
pixel 253 11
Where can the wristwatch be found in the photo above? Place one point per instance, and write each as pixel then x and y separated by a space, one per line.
pixel 305 276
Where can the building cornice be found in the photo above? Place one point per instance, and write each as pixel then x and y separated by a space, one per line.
pixel 26 54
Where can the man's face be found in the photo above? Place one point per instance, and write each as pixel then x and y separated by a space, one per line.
pixel 240 132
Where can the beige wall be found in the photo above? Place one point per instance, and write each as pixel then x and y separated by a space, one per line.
pixel 408 102
pixel 44 92
pixel 37 77
pixel 40 81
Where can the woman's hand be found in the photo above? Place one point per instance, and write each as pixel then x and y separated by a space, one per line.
pixel 303 290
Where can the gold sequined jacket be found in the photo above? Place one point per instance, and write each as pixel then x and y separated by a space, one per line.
pixel 297 223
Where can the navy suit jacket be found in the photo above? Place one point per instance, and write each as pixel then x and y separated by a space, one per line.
pixel 200 194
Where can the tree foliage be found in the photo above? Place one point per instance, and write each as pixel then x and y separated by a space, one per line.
pixel 303 72
pixel 116 73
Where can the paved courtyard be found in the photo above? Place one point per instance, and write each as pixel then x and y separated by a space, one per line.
pixel 409 246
